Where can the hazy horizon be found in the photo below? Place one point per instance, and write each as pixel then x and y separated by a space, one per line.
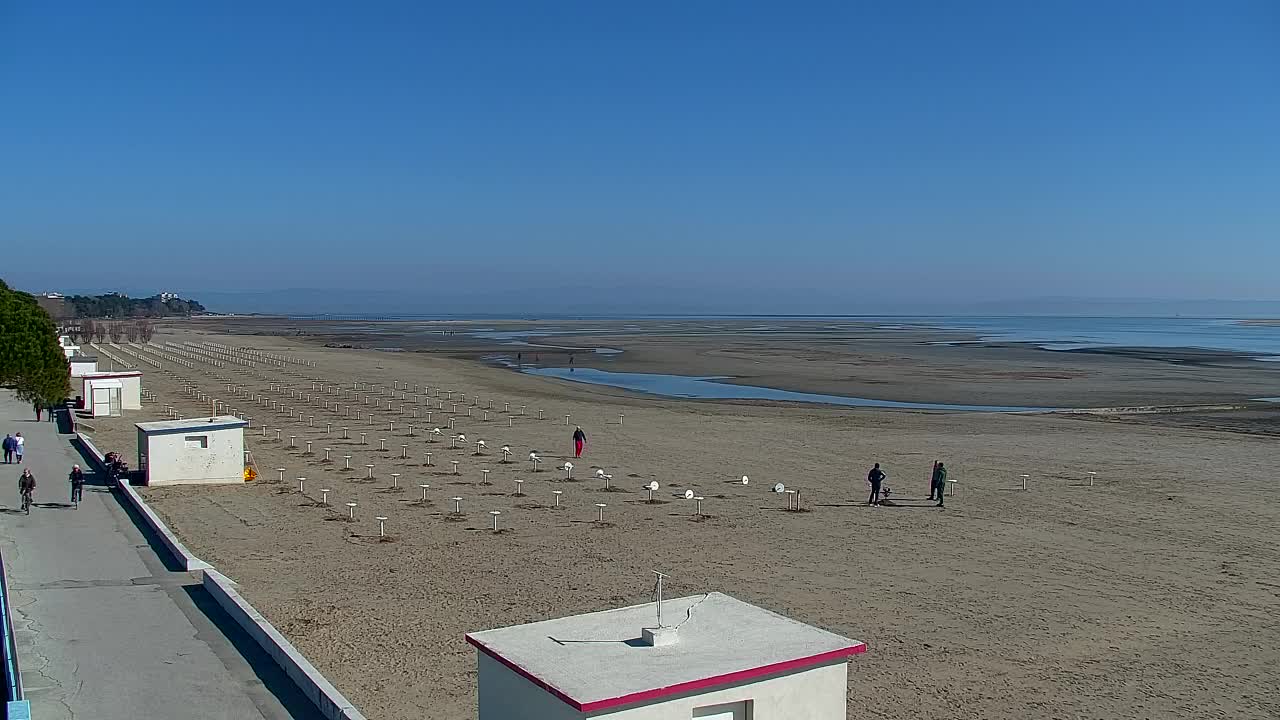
pixel 522 303
pixel 828 158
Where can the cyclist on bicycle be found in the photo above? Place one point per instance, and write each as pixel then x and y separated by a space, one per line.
pixel 77 485
pixel 27 487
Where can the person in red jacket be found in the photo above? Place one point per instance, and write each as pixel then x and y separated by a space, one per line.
pixel 579 442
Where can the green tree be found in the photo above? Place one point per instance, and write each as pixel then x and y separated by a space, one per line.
pixel 31 361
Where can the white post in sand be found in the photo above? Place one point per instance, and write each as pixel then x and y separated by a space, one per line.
pixel 557 493
pixel 1024 480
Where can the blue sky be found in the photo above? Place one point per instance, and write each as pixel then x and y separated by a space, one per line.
pixel 803 155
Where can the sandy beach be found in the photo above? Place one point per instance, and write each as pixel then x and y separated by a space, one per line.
pixel 1150 594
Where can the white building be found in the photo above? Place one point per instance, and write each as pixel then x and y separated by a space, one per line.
pixel 69 349
pixel 110 393
pixel 715 658
pixel 192 451
pixel 82 365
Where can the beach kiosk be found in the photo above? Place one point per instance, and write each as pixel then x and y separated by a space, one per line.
pixel 713 658
pixel 109 393
pixel 82 365
pixel 193 451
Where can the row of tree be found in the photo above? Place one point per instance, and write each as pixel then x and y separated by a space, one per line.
pixel 87 331
pixel 119 305
pixel 31 360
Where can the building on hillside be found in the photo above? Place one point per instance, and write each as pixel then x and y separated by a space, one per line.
pixel 108 394
pixel 82 365
pixel 192 451
pixel 717 658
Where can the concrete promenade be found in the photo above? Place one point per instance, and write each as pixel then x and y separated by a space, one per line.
pixel 106 628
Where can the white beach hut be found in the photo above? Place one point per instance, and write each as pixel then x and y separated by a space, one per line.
pixel 110 393
pixel 69 348
pixel 82 365
pixel 717 659
pixel 193 451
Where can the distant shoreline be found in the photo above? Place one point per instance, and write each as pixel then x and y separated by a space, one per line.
pixel 1264 322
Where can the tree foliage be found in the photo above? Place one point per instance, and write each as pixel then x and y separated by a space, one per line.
pixel 120 306
pixel 31 360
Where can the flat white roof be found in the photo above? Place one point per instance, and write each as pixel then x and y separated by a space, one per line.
pixel 596 661
pixel 115 373
pixel 219 422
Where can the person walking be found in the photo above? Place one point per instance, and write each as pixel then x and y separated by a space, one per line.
pixel 19 446
pixel 932 472
pixel 26 489
pixel 939 482
pixel 9 446
pixel 39 410
pixel 579 442
pixel 77 485
pixel 875 477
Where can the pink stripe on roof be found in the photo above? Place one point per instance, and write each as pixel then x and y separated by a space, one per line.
pixel 679 688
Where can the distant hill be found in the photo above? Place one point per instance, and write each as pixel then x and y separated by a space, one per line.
pixel 120 306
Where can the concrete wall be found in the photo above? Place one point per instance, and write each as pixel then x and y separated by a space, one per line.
pixel 814 694
pixel 506 695
pixel 331 703
pixel 171 462
pixel 325 696
pixel 185 557
pixel 131 395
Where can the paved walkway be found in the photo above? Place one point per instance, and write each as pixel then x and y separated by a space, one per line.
pixel 105 628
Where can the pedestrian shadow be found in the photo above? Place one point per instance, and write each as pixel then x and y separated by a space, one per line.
pixel 52 505
pixel 273 677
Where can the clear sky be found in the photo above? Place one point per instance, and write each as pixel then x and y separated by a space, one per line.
pixel 734 154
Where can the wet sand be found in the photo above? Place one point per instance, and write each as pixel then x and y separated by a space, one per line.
pixel 1151 594
pixel 850 358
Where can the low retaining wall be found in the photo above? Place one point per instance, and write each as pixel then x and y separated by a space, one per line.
pixel 16 706
pixel 189 562
pixel 326 697
pixel 323 694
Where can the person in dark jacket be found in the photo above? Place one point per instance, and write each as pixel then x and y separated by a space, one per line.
pixel 9 446
pixel 939 482
pixel 875 477
pixel 579 442
pixel 26 483
pixel 77 485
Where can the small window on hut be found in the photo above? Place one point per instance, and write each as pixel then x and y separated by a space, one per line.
pixel 197 442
